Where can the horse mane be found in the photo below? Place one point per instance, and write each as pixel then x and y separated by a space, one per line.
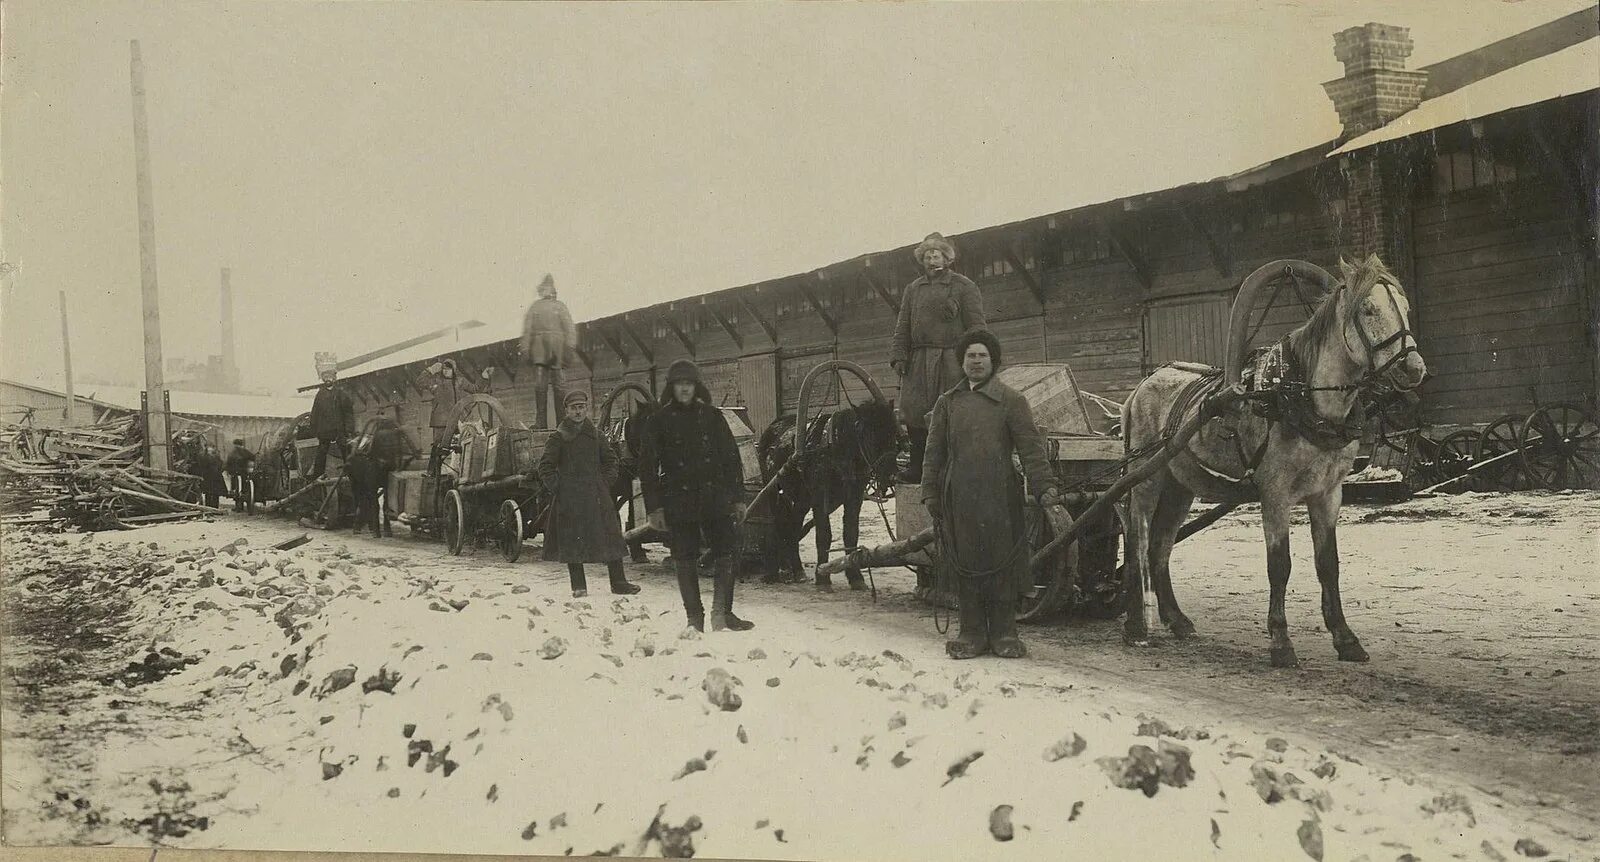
pixel 1307 339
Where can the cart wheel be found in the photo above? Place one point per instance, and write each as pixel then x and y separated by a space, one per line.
pixel 1051 581
pixel 510 530
pixel 1499 438
pixel 455 522
pixel 1455 452
pixel 1560 447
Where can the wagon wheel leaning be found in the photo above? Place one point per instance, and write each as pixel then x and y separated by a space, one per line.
pixel 455 522
pixel 1455 453
pixel 1498 439
pixel 1560 446
pixel 508 531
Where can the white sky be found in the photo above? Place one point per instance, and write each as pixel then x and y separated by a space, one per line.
pixel 371 171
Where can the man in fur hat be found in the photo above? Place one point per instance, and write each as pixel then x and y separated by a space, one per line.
pixel 548 338
pixel 972 490
pixel 693 484
pixel 333 420
pixel 934 312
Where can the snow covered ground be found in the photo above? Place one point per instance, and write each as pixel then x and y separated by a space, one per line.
pixel 181 686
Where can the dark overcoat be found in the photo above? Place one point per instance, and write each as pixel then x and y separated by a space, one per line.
pixel 934 314
pixel 689 464
pixel 969 472
pixel 577 469
pixel 333 414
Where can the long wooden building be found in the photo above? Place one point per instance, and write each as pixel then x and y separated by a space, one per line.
pixel 1474 179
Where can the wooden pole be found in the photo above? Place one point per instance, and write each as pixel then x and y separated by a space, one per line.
pixel 66 362
pixel 156 431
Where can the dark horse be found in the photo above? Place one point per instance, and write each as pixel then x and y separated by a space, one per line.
pixel 845 451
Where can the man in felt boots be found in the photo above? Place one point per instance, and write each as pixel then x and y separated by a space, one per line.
pixel 693 481
pixel 976 498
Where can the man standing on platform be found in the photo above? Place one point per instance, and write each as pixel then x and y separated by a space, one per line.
pixel 934 312
pixel 548 338
pixel 693 482
pixel 333 416
pixel 444 381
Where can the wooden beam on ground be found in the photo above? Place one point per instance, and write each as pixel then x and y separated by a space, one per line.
pixel 880 290
pixel 726 324
pixel 816 305
pixel 644 348
pixel 1219 254
pixel 1035 286
pixel 766 325
pixel 1132 257
pixel 672 324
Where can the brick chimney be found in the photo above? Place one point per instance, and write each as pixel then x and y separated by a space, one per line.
pixel 1376 87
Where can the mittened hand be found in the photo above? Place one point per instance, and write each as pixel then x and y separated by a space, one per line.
pixel 657 521
pixel 899 366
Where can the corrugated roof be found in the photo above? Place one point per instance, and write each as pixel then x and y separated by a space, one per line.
pixel 206 403
pixel 1564 73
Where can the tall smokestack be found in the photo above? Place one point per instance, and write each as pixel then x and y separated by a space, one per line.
pixel 230 369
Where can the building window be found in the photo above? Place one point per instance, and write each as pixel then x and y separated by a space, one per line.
pixel 1471 168
pixel 1083 248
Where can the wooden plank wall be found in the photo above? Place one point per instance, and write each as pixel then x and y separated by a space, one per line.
pixel 1500 277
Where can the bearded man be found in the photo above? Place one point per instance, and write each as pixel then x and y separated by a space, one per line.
pixel 972 490
pixel 934 312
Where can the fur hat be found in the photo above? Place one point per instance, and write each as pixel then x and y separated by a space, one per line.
pixel 983 337
pixel 683 370
pixel 547 286
pixel 935 240
pixel 576 396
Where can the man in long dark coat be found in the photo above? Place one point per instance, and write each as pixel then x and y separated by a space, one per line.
pixel 549 338
pixel 976 498
pixel 577 468
pixel 333 421
pixel 934 312
pixel 693 484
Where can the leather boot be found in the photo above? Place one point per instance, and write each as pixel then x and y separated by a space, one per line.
pixel 722 617
pixel 972 639
pixel 1003 618
pixel 619 580
pixel 689 587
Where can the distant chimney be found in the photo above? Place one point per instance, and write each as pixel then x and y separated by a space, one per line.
pixel 230 369
pixel 1376 88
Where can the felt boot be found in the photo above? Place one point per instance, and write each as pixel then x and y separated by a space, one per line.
pixel 1003 618
pixel 580 583
pixel 689 587
pixel 972 639
pixel 722 617
pixel 619 580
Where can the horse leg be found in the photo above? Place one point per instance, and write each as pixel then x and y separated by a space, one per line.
pixel 1142 502
pixel 1275 526
pixel 1324 512
pixel 852 534
pixel 824 533
pixel 1171 511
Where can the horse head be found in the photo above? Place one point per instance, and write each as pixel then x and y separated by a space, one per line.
pixel 1376 325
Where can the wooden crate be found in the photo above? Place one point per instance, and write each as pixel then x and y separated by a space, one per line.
pixel 1052 392
pixel 513 452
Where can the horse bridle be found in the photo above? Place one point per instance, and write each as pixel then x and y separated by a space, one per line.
pixel 1376 373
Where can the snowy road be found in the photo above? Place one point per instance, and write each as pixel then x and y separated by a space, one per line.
pixel 357 694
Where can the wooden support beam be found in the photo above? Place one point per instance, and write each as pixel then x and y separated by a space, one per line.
pixel 612 342
pixel 672 324
pixel 806 288
pixel 727 325
pixel 880 290
pixel 1035 286
pixel 644 347
pixel 766 325
pixel 1131 255
pixel 1219 253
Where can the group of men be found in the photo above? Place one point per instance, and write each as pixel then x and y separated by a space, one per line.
pixel 964 424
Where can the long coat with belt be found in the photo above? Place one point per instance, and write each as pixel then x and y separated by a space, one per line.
pixel 548 333
pixel 934 314
pixel 578 469
pixel 689 464
pixel 333 414
pixel 969 472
